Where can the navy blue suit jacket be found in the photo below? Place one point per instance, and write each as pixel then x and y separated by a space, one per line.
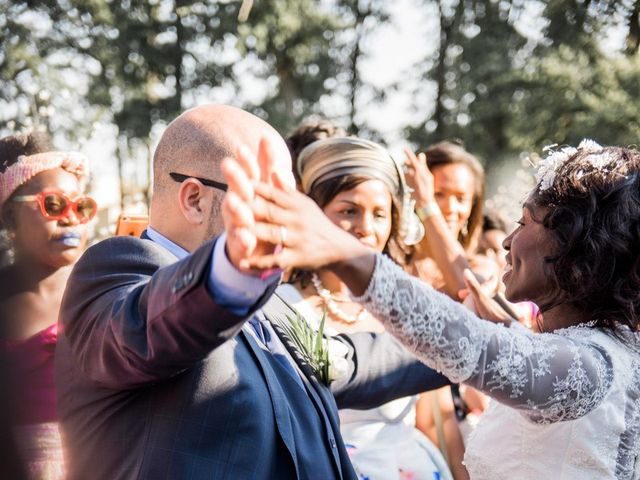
pixel 157 381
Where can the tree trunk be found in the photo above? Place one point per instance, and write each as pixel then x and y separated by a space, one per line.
pixel 446 30
pixel 180 46
pixel 356 83
pixel 633 37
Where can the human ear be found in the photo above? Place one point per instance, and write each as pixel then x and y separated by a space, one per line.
pixel 191 201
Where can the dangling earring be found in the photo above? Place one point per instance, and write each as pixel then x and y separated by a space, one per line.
pixel 464 231
pixel 7 253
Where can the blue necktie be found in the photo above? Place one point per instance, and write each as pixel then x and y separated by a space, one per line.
pixel 269 339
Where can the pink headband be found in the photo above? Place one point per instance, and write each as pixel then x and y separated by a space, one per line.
pixel 29 166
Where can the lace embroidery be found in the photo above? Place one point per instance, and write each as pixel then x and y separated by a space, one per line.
pixel 509 369
pixel 392 296
pixel 577 388
pixel 477 468
pixel 629 446
pixel 547 377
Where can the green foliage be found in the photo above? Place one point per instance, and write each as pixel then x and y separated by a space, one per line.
pixel 45 76
pixel 503 93
pixel 149 61
pixel 570 96
pixel 310 344
pixel 295 44
pixel 67 63
pixel 473 69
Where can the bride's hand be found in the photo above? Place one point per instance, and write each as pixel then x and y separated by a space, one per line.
pixel 476 299
pixel 308 239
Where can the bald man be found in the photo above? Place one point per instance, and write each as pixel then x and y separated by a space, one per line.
pixel 166 366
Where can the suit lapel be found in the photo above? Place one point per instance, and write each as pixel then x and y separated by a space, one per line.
pixel 278 399
pixel 276 311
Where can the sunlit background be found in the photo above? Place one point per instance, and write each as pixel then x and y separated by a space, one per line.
pixel 505 78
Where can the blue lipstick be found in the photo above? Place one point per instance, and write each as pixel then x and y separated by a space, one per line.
pixel 69 239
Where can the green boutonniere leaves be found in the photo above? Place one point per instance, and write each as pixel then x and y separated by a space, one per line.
pixel 311 345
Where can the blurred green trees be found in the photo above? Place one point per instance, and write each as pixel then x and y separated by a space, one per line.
pixel 503 76
pixel 502 89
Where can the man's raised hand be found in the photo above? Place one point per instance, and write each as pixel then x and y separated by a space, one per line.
pixel 242 173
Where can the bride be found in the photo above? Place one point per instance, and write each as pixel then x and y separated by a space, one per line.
pixel 567 400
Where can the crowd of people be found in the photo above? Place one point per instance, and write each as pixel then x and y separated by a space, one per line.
pixel 315 308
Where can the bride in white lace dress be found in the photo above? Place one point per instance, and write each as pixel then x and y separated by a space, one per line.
pixel 566 401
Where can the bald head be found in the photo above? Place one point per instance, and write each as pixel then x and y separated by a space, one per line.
pixel 197 141
pixel 194 145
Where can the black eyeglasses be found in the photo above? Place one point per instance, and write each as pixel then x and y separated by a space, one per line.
pixel 179 177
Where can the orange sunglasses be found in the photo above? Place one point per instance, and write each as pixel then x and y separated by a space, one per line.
pixel 56 205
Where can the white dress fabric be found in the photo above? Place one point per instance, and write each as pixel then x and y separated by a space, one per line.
pixel 567 404
pixel 382 442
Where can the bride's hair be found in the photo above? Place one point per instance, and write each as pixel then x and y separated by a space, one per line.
pixel 593 204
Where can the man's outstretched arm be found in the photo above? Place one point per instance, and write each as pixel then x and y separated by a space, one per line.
pixel 133 316
pixel 381 370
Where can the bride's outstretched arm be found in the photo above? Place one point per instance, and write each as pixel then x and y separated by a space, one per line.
pixel 549 377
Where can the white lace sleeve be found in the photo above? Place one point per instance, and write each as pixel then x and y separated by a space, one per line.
pixel 549 377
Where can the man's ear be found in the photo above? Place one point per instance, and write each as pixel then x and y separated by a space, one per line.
pixel 191 202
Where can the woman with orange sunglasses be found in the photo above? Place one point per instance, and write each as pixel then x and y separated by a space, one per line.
pixel 43 215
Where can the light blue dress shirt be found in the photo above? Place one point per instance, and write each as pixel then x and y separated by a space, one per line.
pixel 237 292
pixel 230 288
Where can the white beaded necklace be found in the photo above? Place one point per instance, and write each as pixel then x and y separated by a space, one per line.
pixel 331 305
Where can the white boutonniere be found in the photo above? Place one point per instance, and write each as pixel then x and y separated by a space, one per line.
pixel 326 357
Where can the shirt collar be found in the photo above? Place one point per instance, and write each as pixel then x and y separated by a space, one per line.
pixel 163 241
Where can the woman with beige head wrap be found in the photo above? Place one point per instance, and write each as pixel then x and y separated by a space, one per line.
pixel 43 214
pixel 362 189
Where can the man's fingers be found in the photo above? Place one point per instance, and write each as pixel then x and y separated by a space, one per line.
pixel 236 213
pixel 238 220
pixel 248 162
pixel 279 183
pixel 268 211
pixel 246 239
pixel 237 179
pixel 270 233
pixel 266 159
pixel 283 198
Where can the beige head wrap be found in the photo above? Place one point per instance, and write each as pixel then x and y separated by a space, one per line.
pixel 334 157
